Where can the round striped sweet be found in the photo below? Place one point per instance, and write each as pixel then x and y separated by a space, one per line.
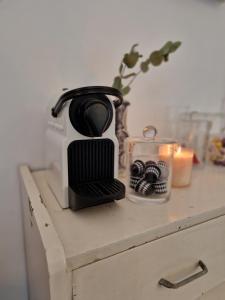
pixel 137 168
pixel 139 185
pixel 164 170
pixel 133 181
pixel 149 163
pixel 152 173
pixel 143 187
pixel 160 187
pixel 148 189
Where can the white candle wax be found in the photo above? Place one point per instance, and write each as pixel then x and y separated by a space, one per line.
pixel 182 167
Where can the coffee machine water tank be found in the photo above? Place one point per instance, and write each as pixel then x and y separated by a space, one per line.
pixel 82 148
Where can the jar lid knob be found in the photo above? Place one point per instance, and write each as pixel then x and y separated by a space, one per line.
pixel 150 132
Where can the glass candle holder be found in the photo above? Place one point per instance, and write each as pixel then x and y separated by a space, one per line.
pixel 149 171
pixel 194 133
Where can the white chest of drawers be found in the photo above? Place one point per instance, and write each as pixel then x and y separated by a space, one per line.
pixel 120 251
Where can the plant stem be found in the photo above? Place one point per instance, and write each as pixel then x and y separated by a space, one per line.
pixel 123 71
pixel 131 81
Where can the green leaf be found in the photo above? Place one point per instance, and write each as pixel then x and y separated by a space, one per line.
pixel 133 48
pixel 144 66
pixel 175 46
pixel 121 68
pixel 130 59
pixel 166 48
pixel 156 58
pixel 117 83
pixel 129 75
pixel 125 90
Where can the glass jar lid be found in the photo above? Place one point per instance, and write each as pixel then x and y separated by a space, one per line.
pixel 149 136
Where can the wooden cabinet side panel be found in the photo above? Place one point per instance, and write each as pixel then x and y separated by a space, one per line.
pixel 36 264
pixel 48 276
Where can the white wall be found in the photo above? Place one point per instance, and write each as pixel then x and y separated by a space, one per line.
pixel 48 44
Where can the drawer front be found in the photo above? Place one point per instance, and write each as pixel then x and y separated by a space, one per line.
pixel 135 274
pixel 218 293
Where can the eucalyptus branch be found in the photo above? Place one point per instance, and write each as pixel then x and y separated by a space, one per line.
pixel 135 76
pixel 123 70
pixel 130 60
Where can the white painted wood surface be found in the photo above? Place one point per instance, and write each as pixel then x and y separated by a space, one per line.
pixel 48 278
pixel 36 263
pixel 134 274
pixel 218 293
pixel 116 251
pixel 95 233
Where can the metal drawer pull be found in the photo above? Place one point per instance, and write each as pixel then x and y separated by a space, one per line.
pixel 171 285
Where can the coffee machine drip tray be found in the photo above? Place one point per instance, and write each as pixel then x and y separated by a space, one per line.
pixel 95 193
pixel 91 173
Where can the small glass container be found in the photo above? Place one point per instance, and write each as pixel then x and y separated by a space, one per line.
pixel 149 167
pixel 194 133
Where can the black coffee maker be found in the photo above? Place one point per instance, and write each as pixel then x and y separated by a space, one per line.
pixel 82 148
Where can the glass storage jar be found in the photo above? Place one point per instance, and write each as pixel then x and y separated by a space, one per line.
pixel 149 167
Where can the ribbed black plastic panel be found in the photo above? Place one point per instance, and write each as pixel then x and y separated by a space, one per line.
pixel 91 173
pixel 90 160
pixel 99 188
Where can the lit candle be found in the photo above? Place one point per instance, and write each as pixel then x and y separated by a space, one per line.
pixel 182 167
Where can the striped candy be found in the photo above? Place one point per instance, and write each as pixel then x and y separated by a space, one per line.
pixel 160 187
pixel 150 177
pixel 137 168
pixel 164 170
pixel 133 181
pixel 143 187
pixel 152 173
pixel 149 162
